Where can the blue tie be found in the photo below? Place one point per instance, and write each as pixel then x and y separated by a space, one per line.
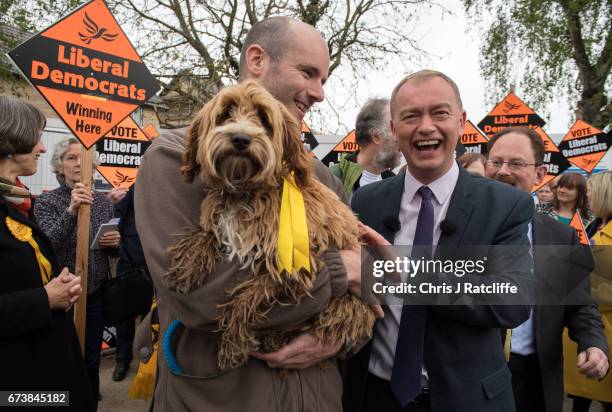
pixel 408 361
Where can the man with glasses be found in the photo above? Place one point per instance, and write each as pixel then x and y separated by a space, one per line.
pixel 536 352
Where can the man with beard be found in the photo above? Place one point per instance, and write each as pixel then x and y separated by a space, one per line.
pixel 516 157
pixel 378 152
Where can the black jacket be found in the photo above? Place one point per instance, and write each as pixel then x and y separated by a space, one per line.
pixel 463 354
pixel 583 321
pixel 39 348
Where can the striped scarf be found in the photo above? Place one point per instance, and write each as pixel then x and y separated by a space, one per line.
pixel 17 194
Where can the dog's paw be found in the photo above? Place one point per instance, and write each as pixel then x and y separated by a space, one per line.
pixel 275 341
pixel 345 320
pixel 193 258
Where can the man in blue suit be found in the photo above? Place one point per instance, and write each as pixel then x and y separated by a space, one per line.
pixel 440 358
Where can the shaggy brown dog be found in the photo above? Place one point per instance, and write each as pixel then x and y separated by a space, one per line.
pixel 243 143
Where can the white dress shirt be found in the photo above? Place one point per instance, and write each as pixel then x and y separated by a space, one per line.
pixel 367 178
pixel 386 329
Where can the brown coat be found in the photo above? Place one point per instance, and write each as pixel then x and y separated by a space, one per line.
pixel 165 207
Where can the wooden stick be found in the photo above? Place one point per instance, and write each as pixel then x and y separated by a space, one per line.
pixel 82 252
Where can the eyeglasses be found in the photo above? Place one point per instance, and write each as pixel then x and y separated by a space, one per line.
pixel 514 164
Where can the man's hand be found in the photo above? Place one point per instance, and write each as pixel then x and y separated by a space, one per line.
pixel 302 352
pixel 593 363
pixel 371 237
pixel 352 262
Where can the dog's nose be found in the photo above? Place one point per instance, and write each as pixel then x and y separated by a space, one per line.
pixel 241 141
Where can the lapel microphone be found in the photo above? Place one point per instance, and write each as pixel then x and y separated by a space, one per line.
pixel 448 227
pixel 392 223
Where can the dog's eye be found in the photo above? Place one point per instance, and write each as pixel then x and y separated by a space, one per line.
pixel 225 114
pixel 265 122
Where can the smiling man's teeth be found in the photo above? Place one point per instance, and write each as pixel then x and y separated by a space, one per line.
pixel 301 106
pixel 427 142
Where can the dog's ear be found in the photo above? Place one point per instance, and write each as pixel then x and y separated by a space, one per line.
pixel 295 156
pixel 215 112
pixel 203 121
pixel 190 166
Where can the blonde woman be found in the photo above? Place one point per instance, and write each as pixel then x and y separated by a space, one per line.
pixel 599 193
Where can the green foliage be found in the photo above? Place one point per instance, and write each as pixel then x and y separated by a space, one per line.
pixel 193 46
pixel 547 49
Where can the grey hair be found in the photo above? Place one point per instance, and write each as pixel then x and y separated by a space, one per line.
pixel 20 125
pixel 424 75
pixel 59 151
pixel 372 116
pixel 273 34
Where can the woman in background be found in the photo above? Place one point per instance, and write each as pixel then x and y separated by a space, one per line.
pixel 56 212
pixel 546 197
pixel 39 347
pixel 581 389
pixel 570 197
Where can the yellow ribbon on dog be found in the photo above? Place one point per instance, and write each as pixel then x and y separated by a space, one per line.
pixel 293 245
pixel 23 233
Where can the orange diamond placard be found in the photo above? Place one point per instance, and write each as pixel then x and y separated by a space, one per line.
pixel 347 145
pixel 511 111
pixel 85 67
pixel 473 139
pixel 584 145
pixel 120 152
pixel 151 131
pixel 308 138
pixel 576 223
pixel 553 159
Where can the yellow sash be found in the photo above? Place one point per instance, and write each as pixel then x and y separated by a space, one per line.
pixel 23 233
pixel 143 385
pixel 293 244
pixel 507 344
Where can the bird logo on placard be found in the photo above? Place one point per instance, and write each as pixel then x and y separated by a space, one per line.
pixel 588 162
pixel 121 178
pixel 510 106
pixel 95 32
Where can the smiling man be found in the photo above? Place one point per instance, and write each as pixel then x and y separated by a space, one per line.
pixel 291 60
pixel 440 358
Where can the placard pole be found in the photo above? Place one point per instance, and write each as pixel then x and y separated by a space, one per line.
pixel 82 252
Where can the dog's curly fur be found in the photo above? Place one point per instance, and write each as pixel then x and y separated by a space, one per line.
pixel 240 218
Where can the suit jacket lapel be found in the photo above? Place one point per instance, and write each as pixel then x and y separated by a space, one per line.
pixel 459 210
pixel 543 236
pixel 391 208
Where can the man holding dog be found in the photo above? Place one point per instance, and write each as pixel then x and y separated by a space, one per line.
pixel 440 358
pixel 290 59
